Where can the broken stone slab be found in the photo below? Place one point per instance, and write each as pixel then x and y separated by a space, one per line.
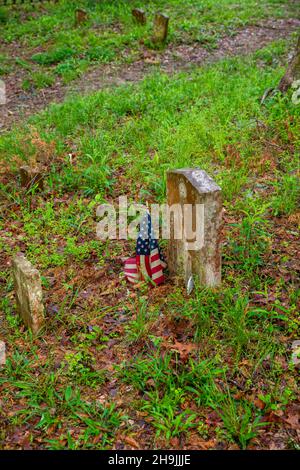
pixel 31 177
pixel 28 291
pixel 2 353
pixel 194 247
pixel 81 16
pixel 139 15
pixel 160 28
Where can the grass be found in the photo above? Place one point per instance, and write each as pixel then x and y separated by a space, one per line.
pixel 157 366
pixel 209 119
pixel 46 405
pixel 53 45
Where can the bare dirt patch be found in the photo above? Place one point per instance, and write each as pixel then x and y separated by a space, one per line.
pixel 21 104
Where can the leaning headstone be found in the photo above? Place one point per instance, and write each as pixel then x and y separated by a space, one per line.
pixel 31 177
pixel 195 250
pixel 81 16
pixel 160 29
pixel 28 290
pixel 2 353
pixel 139 15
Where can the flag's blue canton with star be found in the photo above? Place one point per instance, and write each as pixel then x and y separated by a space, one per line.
pixel 148 262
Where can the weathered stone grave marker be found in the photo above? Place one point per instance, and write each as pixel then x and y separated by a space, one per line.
pixel 139 15
pixel 81 16
pixel 2 354
pixel 31 177
pixel 198 252
pixel 160 29
pixel 28 290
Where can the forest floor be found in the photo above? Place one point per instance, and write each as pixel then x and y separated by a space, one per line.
pixel 127 367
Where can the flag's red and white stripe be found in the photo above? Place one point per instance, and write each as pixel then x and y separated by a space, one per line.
pixel 131 270
pixel 143 267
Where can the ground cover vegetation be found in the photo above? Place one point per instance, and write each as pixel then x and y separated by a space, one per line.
pixel 118 367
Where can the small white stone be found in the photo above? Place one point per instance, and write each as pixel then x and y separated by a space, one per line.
pixel 190 285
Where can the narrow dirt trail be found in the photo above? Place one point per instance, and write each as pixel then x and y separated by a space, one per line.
pixel 21 104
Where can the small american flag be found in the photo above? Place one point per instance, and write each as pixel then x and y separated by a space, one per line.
pixel 148 264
